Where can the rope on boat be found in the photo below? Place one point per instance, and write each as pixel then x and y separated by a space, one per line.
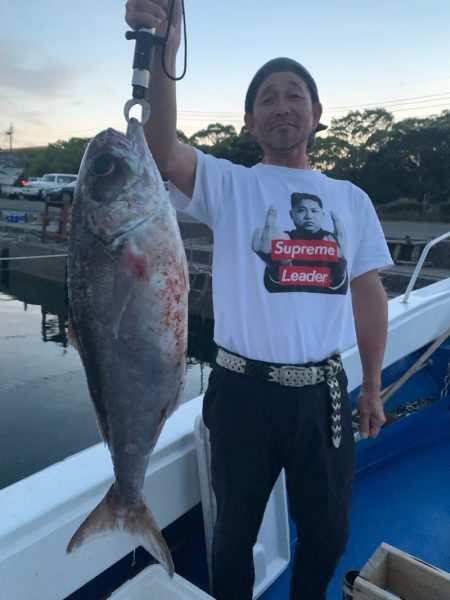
pixel 390 391
pixel 419 364
pixel 409 407
pixel 33 257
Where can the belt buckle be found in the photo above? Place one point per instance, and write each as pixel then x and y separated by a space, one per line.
pixel 297 376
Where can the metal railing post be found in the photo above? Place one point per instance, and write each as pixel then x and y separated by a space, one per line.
pixel 420 264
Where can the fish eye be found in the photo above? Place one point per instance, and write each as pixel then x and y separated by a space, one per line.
pixel 102 165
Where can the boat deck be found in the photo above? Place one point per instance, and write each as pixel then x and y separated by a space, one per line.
pixel 401 496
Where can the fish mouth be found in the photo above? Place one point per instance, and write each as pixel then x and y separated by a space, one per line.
pixel 135 132
pixel 110 138
pixel 133 126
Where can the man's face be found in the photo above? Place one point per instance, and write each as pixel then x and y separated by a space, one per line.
pixel 307 215
pixel 284 115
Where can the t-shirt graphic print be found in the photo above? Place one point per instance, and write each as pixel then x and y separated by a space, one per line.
pixel 307 258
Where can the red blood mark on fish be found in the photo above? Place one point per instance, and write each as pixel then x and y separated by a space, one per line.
pixel 137 264
pixel 172 296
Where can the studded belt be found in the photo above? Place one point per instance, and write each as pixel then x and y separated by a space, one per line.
pixel 293 376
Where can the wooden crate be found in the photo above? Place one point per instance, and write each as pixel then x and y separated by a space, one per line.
pixel 391 574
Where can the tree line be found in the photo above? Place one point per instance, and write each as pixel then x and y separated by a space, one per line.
pixel 404 166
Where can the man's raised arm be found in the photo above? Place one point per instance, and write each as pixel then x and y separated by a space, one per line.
pixel 175 161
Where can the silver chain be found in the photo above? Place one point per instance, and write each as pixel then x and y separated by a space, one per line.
pixel 445 389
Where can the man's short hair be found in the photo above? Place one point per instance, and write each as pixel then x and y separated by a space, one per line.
pixel 297 197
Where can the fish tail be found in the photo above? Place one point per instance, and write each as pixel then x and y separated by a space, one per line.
pixel 111 514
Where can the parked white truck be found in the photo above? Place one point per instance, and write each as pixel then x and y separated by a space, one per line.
pixel 36 189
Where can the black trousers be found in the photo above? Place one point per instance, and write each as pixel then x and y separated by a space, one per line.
pixel 257 428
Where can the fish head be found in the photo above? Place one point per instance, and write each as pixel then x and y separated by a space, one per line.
pixel 119 186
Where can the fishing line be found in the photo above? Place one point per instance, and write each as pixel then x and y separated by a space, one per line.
pixel 166 37
pixel 7 258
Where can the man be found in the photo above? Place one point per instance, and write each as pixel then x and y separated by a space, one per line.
pixel 323 264
pixel 277 397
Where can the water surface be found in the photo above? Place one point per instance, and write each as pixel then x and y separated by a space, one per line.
pixel 45 409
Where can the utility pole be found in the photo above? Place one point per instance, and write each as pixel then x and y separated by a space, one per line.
pixel 10 132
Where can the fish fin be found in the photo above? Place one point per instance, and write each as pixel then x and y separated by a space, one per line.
pixel 123 288
pixel 133 267
pixel 100 411
pixel 102 423
pixel 142 525
pixel 72 336
pixel 111 514
pixel 99 404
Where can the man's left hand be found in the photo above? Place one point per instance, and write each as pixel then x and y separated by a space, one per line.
pixel 371 413
pixel 339 234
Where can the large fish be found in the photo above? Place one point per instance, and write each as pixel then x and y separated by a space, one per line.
pixel 128 286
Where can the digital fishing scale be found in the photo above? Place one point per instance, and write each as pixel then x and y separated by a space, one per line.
pixel 146 40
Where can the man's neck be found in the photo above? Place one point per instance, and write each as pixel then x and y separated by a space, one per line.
pixel 293 160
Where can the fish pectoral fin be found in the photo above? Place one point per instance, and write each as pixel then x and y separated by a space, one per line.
pixel 132 270
pixel 122 294
pixel 112 513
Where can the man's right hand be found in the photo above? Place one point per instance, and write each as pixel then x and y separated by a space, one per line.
pixel 175 161
pixel 154 14
pixel 263 237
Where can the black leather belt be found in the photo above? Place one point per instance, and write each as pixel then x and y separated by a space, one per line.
pixel 293 376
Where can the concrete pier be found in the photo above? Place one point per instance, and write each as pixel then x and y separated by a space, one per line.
pixel 405 239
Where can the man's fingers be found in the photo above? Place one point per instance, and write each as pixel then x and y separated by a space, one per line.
pixel 370 423
pixel 336 223
pixel 363 424
pixel 271 218
pixel 263 237
pixel 256 240
pixel 145 13
pixel 374 430
pixel 138 20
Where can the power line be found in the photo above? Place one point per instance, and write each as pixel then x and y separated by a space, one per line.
pixel 399 84
pixel 442 106
pixel 198 118
pixel 400 108
pixel 195 114
pixel 345 107
pixel 393 102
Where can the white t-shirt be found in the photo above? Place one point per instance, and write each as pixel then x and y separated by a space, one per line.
pixel 294 304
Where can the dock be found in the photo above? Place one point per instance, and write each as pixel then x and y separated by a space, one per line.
pixel 34 243
pixel 35 233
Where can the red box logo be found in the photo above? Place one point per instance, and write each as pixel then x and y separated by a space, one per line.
pixel 312 276
pixel 317 250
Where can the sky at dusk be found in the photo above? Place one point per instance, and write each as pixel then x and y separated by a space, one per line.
pixel 66 68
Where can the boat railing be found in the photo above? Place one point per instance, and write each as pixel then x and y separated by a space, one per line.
pixel 419 265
